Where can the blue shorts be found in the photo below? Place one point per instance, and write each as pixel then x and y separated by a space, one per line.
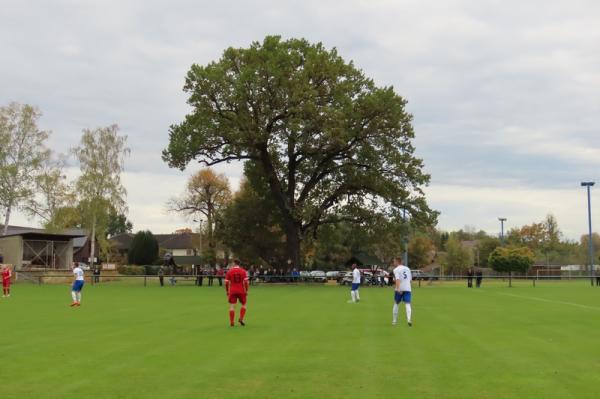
pixel 77 285
pixel 402 296
pixel 354 286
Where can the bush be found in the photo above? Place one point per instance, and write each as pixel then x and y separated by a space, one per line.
pixel 144 249
pixel 153 269
pixel 132 270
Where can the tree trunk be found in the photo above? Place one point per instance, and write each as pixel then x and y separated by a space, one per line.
pixel 211 239
pixel 293 241
pixel 93 244
pixel 6 219
pixel 510 279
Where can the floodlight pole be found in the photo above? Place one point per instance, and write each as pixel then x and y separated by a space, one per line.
pixel 405 260
pixel 502 220
pixel 590 242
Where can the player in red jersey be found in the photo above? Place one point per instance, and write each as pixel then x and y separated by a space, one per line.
pixel 6 275
pixel 236 286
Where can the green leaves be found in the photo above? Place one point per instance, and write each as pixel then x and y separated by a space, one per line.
pixel 22 152
pixel 101 156
pixel 511 259
pixel 328 141
pixel 143 249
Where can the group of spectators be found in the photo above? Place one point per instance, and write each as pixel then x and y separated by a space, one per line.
pixel 209 273
pixel 278 275
pixel 478 278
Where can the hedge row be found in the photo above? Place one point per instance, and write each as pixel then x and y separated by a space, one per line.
pixel 140 270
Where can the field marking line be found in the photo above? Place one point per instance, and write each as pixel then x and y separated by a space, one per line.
pixel 552 301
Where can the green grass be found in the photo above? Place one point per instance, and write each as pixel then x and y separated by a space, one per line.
pixel 301 342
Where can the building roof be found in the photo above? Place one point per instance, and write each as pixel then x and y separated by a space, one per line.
pixel 121 241
pixel 79 236
pixel 35 235
pixel 166 241
pixel 178 241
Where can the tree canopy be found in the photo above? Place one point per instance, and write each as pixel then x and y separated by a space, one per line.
pixel 101 157
pixel 205 196
pixel 143 249
pixel 511 259
pixel 22 152
pixel 331 145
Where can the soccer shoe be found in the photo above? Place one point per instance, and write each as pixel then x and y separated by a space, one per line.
pixel 241 322
pixel 393 323
pixel 78 304
pixel 73 304
pixel 410 323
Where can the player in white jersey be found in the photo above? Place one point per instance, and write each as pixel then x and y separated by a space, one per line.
pixel 77 285
pixel 355 284
pixel 402 291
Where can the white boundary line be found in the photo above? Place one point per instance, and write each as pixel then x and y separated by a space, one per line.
pixel 551 301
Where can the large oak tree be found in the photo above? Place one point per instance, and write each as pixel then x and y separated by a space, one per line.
pixel 331 144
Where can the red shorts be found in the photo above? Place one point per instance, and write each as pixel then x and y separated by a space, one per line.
pixel 233 298
pixel 6 283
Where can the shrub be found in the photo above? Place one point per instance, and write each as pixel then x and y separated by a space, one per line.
pixel 144 249
pixel 132 270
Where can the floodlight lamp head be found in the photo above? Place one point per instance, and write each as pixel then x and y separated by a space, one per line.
pixel 587 183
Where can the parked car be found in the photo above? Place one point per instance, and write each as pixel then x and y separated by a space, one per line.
pixel 346 279
pixel 318 275
pixel 366 278
pixel 421 275
pixel 333 274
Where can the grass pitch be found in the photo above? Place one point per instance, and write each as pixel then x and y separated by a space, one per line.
pixel 130 341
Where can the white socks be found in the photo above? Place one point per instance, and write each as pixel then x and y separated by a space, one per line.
pixel 357 295
pixel 408 313
pixel 353 295
pixel 76 296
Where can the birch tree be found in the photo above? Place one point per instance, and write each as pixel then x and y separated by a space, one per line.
pixel 22 152
pixel 53 192
pixel 206 194
pixel 101 155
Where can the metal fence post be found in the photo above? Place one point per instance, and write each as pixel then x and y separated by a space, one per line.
pixel 144 280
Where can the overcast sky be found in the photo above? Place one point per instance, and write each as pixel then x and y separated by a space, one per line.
pixel 505 94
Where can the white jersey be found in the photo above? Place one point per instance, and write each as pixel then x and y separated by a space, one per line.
pixel 356 276
pixel 78 273
pixel 403 274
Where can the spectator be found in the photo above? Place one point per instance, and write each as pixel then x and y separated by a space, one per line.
pixel 220 273
pixel 479 278
pixel 97 274
pixel 200 276
pixel 295 275
pixel 161 276
pixel 470 275
pixel 211 273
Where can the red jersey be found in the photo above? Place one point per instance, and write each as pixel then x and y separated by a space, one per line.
pixel 5 275
pixel 236 277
